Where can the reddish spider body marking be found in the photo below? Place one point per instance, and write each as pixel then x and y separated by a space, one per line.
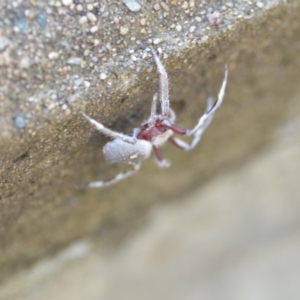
pixel 148 132
pixel 158 129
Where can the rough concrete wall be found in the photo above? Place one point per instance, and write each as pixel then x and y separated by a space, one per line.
pixel 56 60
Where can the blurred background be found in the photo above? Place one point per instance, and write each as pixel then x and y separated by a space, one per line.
pixel 237 237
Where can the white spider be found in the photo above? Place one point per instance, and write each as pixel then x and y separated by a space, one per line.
pixel 155 132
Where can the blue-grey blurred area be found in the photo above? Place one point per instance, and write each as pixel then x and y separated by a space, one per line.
pixel 236 238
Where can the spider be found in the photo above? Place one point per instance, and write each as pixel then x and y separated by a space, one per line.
pixel 154 133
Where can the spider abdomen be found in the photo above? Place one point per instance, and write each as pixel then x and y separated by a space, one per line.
pixel 119 152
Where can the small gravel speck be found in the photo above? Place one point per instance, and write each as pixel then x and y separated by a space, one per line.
pixel 143 22
pixel 185 5
pixel 229 4
pixel 20 23
pixel 78 81
pixel 79 7
pixel 25 62
pixel 94 29
pixel 90 6
pixel 192 28
pixel 4 42
pixel 103 76
pixel 19 122
pixel 132 5
pixel 156 6
pixel 74 61
pixel 178 28
pixel 116 20
pixel 157 41
pixel 214 18
pixel 87 84
pixel 164 6
pixel 82 20
pixel 67 2
pixel 41 19
pixel 124 30
pixel 53 55
pixel 91 17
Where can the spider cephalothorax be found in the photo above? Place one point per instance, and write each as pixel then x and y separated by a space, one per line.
pixel 155 132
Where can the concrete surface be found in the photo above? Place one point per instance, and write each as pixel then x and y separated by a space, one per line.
pixel 237 238
pixel 58 58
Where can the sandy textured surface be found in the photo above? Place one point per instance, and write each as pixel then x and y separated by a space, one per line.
pixel 237 238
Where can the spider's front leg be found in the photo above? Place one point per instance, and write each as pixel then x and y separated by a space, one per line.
pixel 163 85
pixel 203 122
pixel 118 177
pixel 110 133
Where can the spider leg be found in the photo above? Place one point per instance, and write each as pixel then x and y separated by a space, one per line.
pixel 205 120
pixel 118 177
pixel 112 134
pixel 163 84
pixel 151 119
pixel 172 116
pixel 181 144
pixel 159 159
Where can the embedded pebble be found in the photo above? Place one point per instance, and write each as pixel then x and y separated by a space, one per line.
pixel 116 20
pixel 94 29
pixel 156 41
pixel 178 28
pixel 19 121
pixel 25 62
pixel 4 42
pixel 20 23
pixel 41 19
pixel 91 17
pixel 164 6
pixel 192 28
pixel 132 5
pixel 90 6
pixel 214 18
pixel 229 4
pixel 74 61
pixel 156 6
pixel 185 5
pixel 79 7
pixel 53 55
pixel 133 58
pixel 78 81
pixel 82 20
pixel 87 84
pixel 123 30
pixel 143 22
pixel 103 76
pixel 67 2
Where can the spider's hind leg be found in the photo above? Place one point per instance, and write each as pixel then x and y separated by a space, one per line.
pixel 118 177
pixel 159 159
